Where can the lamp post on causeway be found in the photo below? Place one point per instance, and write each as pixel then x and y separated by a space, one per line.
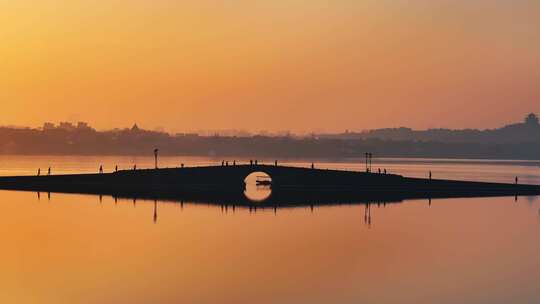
pixel 156 156
pixel 367 155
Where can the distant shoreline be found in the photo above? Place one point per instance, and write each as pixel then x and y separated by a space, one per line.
pixel 520 141
pixel 360 160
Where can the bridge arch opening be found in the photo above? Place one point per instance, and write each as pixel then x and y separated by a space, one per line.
pixel 258 186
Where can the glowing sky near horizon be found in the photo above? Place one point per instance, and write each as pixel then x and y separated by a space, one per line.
pixel 269 65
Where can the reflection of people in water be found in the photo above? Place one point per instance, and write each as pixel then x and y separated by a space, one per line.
pixel 155 211
pixel 367 215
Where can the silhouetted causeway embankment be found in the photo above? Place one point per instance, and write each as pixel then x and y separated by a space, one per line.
pixel 289 184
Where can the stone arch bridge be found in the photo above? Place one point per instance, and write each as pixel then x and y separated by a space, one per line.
pixel 231 179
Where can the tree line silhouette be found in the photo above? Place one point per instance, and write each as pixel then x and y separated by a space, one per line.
pixel 516 141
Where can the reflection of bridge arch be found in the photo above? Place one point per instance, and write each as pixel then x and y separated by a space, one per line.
pixel 258 186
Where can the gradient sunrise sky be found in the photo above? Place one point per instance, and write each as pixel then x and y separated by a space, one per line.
pixel 269 65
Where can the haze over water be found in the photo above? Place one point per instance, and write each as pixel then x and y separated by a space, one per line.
pixel 73 248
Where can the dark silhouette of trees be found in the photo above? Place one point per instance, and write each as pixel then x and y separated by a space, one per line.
pixel 519 141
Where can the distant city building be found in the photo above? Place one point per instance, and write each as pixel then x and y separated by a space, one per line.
pixel 81 125
pixel 67 126
pixel 48 126
pixel 187 135
pixel 531 119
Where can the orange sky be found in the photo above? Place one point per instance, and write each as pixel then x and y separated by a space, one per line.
pixel 301 65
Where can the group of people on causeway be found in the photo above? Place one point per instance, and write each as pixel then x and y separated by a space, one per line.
pixel 252 162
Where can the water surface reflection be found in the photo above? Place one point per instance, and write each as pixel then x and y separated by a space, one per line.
pixel 80 249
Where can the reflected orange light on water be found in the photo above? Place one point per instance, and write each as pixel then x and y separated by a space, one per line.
pixel 76 249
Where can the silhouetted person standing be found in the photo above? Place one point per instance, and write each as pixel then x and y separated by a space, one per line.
pixel 312 165
pixel 384 171
pixel 429 174
pixel 38 171
pixel 101 169
pixel 275 163
pixel 134 167
pixel 256 162
pixel 516 180
pixel 49 171
pixel 251 162
pixel 116 168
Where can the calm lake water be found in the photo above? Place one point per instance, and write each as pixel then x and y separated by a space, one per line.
pixel 70 248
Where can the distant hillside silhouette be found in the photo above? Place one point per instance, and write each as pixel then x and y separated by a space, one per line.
pixel 515 141
pixel 526 132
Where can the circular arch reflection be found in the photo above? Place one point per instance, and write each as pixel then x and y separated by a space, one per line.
pixel 258 186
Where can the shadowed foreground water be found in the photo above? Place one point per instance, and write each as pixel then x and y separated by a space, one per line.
pixel 78 249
